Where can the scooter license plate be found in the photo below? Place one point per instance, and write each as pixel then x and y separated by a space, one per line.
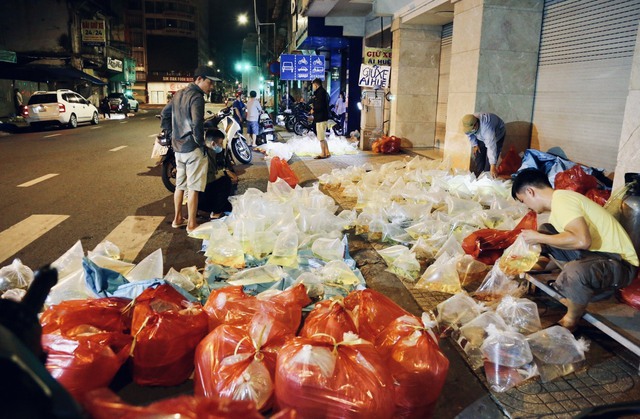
pixel 269 137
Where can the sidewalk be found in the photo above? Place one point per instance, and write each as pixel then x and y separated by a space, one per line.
pixel 611 372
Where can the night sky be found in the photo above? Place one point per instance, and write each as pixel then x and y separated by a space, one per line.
pixel 227 33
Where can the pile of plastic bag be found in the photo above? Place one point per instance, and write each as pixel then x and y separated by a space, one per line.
pixel 308 145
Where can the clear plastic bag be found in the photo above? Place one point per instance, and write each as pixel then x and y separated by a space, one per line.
pixel 475 332
pixel 458 310
pixel 16 275
pixel 176 278
pixel 508 360
pixel 520 313
pixel 557 352
pixel 471 272
pixel 70 261
pixel 150 267
pixel 285 249
pixel 441 276
pixel 497 284
pixel 520 257
pixel 224 249
pixel 328 249
pixel 406 266
pixel 390 254
pixel 108 249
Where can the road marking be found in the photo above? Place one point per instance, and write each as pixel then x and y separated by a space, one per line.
pixel 96 127
pixel 133 233
pixel 18 236
pixel 51 135
pixel 123 122
pixel 118 148
pixel 38 180
pixel 153 135
pixel 142 119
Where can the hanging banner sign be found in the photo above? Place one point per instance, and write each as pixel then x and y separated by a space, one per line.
pixel 301 67
pixel 376 76
pixel 93 32
pixel 376 56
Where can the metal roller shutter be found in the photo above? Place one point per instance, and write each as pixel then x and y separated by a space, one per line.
pixel 443 84
pixel 585 59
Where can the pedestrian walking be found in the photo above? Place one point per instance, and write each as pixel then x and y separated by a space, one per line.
pixel 184 116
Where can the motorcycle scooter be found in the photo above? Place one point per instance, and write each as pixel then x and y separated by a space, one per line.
pixel 266 132
pixel 235 148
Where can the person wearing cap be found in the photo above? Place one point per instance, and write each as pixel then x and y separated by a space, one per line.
pixel 220 178
pixel 320 111
pixel 593 250
pixel 486 134
pixel 184 116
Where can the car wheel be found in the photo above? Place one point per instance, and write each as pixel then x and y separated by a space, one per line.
pixel 73 121
pixel 94 119
pixel 136 109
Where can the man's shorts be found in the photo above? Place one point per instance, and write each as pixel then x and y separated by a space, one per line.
pixel 191 170
pixel 321 130
pixel 253 127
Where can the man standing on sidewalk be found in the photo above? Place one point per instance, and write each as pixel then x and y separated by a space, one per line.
pixel 321 116
pixel 184 116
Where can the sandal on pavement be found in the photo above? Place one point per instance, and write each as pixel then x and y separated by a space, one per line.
pixel 182 224
pixel 214 216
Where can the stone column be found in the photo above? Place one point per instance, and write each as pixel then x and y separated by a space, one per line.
pixel 494 58
pixel 629 148
pixel 414 83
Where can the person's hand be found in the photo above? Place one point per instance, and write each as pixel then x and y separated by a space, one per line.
pixel 494 171
pixel 233 177
pixel 530 236
pixel 475 150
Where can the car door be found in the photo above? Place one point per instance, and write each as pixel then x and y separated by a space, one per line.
pixel 84 112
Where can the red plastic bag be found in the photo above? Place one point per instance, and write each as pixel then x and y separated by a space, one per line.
pixel 630 295
pixel 376 146
pixel 240 362
pixel 372 312
pixel 281 169
pixel 105 404
pixel 107 314
pixel 599 196
pixel 230 305
pixel 487 244
pixel 510 163
pixel 390 145
pixel 167 328
pixel 418 367
pixel 328 318
pixel 325 380
pixel 85 362
pixel 575 179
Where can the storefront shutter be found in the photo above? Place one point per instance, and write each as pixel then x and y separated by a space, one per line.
pixel 443 84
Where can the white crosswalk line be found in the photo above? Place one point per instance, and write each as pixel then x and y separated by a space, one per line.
pixel 153 135
pixel 37 180
pixel 123 122
pixel 20 235
pixel 51 135
pixel 132 234
pixel 96 127
pixel 118 148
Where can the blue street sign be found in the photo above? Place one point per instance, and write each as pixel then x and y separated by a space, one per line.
pixel 287 67
pixel 301 67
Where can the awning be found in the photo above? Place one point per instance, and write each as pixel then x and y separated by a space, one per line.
pixel 45 73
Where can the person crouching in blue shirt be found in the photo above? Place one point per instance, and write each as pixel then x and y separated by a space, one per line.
pixel 486 133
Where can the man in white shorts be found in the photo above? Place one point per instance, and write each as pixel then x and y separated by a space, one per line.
pixel 184 115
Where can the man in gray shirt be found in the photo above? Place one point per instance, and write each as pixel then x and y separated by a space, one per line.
pixel 184 116
pixel 486 134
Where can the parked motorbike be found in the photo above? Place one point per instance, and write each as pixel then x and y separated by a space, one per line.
pixel 266 130
pixel 235 148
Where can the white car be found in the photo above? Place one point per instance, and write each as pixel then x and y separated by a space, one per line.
pixel 61 107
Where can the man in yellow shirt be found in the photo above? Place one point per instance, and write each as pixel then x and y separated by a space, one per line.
pixel 598 252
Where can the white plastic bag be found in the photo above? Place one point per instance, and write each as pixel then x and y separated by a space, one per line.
pixel 16 275
pixel 150 267
pixel 520 313
pixel 70 261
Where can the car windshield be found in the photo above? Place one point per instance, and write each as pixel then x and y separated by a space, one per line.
pixel 44 98
pixel 115 95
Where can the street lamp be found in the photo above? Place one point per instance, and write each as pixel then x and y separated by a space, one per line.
pixel 243 19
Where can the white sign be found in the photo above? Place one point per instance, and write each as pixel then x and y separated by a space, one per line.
pixel 114 64
pixel 376 76
pixel 93 32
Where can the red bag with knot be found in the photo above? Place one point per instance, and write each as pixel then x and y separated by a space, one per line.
pixel 630 295
pixel 230 305
pixel 328 318
pixel 346 379
pixel 487 244
pixel 240 362
pixel 390 145
pixel 280 169
pixel 166 328
pixel 599 196
pixel 106 314
pixel 376 145
pixel 105 404
pixel 372 312
pixel 575 179
pixel 418 367
pixel 86 360
pixel 510 163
